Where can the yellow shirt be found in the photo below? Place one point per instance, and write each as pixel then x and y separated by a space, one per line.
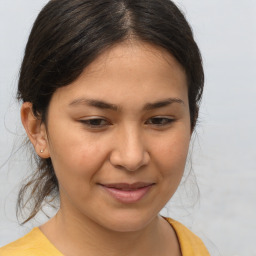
pixel 35 243
pixel 190 244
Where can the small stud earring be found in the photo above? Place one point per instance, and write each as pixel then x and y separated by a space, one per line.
pixel 42 151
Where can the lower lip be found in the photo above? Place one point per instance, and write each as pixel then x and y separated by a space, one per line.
pixel 128 196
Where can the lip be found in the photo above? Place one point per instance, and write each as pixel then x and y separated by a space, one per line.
pixel 126 192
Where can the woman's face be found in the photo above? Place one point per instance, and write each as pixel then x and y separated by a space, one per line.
pixel 118 136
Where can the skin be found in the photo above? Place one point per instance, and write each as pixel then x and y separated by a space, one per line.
pixel 135 140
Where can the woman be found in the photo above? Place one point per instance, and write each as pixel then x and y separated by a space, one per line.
pixel 110 93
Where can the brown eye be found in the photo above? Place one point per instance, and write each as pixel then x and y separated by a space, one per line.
pixel 95 122
pixel 159 121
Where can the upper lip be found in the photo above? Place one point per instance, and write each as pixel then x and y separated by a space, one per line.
pixel 128 186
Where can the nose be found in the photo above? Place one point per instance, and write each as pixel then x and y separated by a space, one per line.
pixel 129 151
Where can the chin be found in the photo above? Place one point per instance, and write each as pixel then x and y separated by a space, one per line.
pixel 128 222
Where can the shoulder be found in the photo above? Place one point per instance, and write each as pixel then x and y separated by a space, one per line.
pixel 191 244
pixel 32 244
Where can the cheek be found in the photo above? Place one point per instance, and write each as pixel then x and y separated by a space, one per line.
pixel 170 159
pixel 76 160
pixel 172 154
pixel 77 170
pixel 74 148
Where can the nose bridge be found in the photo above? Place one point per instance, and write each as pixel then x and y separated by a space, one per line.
pixel 130 152
pixel 133 142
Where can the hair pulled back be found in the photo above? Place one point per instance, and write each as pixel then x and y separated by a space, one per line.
pixel 69 34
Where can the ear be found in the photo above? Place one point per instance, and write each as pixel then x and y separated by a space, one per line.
pixel 35 129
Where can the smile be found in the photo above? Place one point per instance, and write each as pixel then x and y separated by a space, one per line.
pixel 128 193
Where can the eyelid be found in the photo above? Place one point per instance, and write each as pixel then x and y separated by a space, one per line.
pixel 86 121
pixel 168 120
pixel 164 121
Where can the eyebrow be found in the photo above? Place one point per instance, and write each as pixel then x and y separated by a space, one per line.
pixel 162 103
pixel 105 105
pixel 94 103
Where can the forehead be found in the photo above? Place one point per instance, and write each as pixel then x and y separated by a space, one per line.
pixel 130 54
pixel 132 71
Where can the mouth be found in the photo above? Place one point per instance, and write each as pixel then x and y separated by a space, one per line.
pixel 126 192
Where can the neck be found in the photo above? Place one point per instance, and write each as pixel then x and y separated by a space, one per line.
pixel 73 236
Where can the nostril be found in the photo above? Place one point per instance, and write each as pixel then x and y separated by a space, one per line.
pixel 129 162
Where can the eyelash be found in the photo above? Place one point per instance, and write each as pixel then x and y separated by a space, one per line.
pixel 164 121
pixel 96 123
pixel 89 123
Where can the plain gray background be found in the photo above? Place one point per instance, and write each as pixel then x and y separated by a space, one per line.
pixel 224 155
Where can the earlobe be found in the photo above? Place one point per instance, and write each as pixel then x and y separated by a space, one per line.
pixel 35 130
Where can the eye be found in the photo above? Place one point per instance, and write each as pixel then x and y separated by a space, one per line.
pixel 159 121
pixel 95 122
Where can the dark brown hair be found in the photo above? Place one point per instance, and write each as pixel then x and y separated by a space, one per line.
pixel 69 34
